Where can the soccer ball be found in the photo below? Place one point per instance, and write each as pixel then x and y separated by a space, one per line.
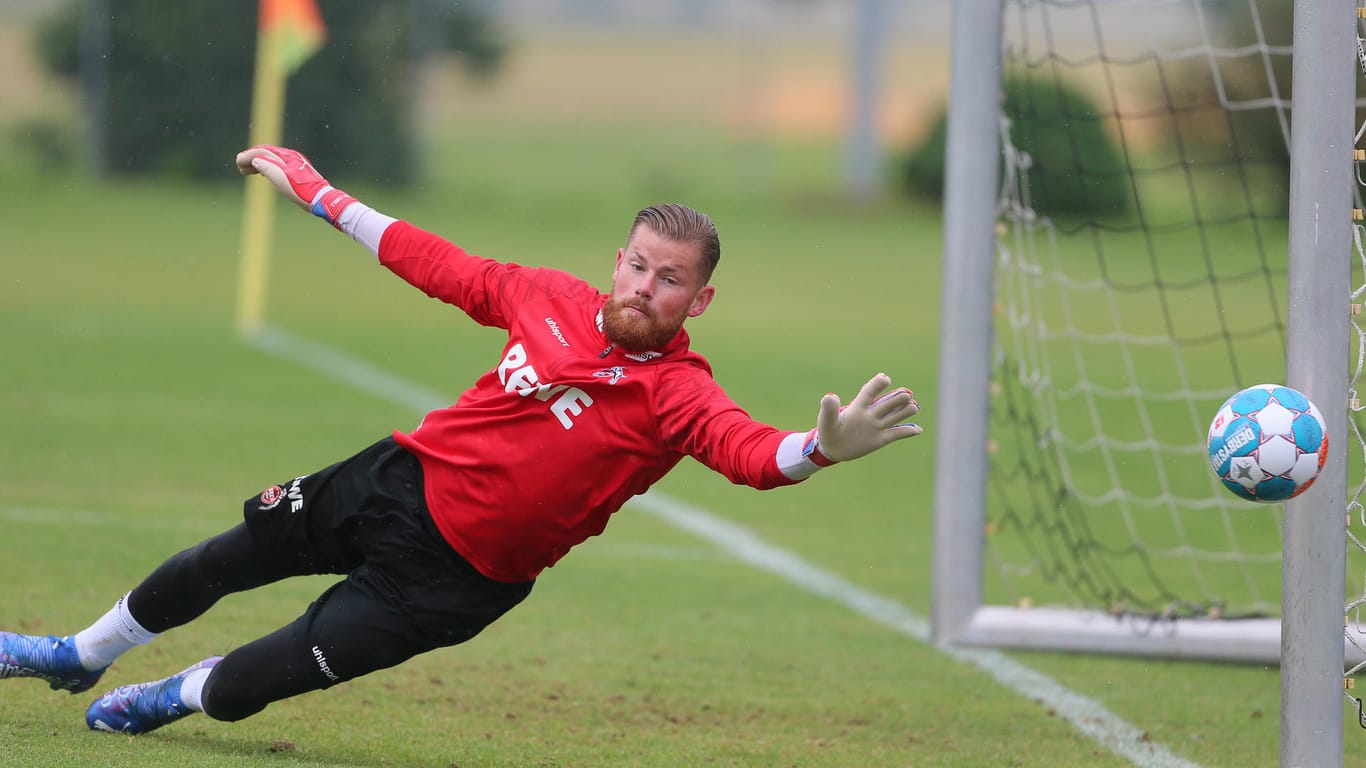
pixel 1268 443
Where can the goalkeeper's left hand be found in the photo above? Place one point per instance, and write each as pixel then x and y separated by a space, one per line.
pixel 297 179
pixel 871 421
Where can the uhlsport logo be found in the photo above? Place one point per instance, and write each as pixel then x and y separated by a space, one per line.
pixel 322 664
pixel 555 329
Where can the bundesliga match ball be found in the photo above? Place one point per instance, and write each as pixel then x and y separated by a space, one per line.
pixel 1268 443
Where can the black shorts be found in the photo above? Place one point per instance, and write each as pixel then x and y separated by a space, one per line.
pixel 406 590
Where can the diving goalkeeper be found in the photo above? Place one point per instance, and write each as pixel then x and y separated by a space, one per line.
pixel 440 530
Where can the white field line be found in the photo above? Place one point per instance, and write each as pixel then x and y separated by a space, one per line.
pixel 1086 715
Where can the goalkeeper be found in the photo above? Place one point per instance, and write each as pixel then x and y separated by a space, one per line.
pixel 441 530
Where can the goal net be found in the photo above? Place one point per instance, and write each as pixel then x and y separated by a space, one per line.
pixel 1140 279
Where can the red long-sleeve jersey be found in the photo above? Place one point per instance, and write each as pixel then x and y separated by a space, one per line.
pixel 538 454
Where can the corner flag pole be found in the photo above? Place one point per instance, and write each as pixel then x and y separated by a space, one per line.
pixel 288 32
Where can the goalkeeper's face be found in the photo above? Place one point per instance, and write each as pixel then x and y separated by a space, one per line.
pixel 657 285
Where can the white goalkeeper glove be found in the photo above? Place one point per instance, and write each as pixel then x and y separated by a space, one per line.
pixel 871 421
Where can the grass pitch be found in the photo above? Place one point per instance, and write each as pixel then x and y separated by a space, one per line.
pixel 134 422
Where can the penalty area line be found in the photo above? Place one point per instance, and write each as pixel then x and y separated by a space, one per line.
pixel 1087 715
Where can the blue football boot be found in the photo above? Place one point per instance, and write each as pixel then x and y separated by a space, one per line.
pixel 53 659
pixel 143 707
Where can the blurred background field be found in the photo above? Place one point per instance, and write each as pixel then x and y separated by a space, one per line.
pixel 135 420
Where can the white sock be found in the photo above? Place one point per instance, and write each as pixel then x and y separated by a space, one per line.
pixel 192 689
pixel 110 636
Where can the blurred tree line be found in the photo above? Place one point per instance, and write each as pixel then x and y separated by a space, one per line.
pixel 167 86
pixel 1078 168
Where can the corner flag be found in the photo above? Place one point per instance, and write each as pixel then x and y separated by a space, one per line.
pixel 288 33
pixel 295 28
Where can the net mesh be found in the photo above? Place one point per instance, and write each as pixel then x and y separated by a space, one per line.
pixel 1141 278
pixel 1356 443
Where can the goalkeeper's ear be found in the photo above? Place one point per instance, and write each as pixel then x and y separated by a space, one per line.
pixel 701 301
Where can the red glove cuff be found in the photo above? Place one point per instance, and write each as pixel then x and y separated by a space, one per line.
pixel 811 450
pixel 329 205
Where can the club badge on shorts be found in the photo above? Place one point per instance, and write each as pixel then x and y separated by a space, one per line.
pixel 270 497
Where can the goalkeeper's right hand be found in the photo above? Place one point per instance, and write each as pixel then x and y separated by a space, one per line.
pixel 296 178
pixel 867 423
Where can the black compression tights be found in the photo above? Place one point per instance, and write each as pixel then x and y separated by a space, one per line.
pixel 343 635
pixel 189 583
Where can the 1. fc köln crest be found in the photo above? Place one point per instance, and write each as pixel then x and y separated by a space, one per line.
pixel 613 375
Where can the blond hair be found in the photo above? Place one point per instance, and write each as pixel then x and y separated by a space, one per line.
pixel 682 224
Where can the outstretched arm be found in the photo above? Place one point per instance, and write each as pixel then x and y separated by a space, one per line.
pixel 844 432
pixel 483 288
pixel 296 178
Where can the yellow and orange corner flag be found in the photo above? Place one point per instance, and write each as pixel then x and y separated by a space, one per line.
pixel 296 29
pixel 288 33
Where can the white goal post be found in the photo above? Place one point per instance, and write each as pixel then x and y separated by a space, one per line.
pixel 1307 637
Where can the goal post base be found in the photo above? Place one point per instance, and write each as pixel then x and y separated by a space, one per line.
pixel 1060 629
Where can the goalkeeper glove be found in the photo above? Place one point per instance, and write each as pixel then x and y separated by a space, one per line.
pixel 866 424
pixel 296 178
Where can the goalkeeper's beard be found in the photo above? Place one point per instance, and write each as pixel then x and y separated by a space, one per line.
pixel 633 332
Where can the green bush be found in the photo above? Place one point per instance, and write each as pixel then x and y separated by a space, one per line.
pixel 1076 170
pixel 178 98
